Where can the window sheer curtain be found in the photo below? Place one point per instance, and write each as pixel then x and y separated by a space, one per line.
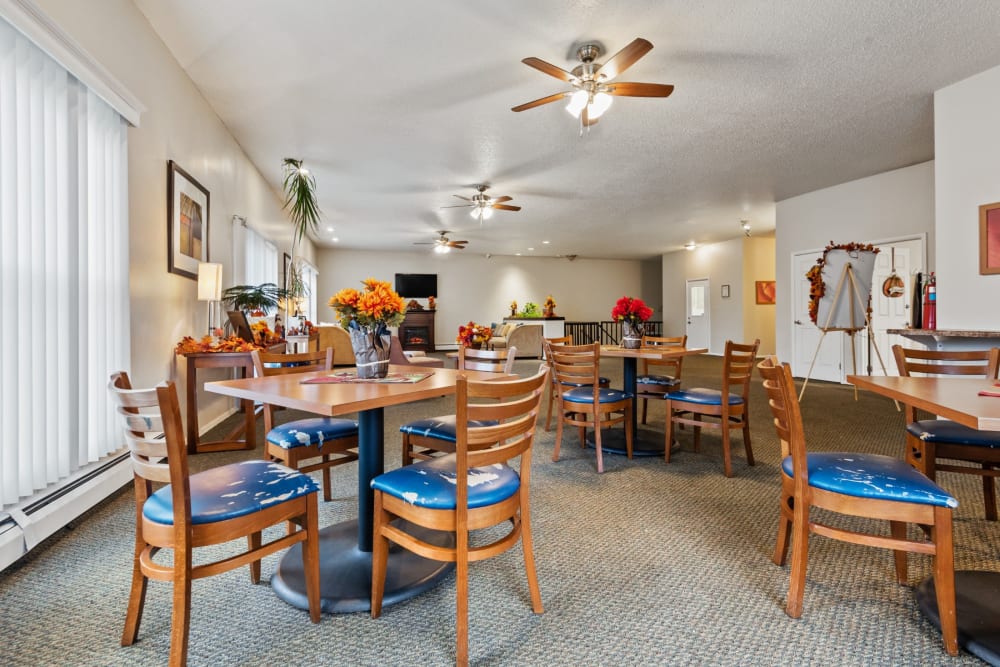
pixel 64 262
pixel 309 275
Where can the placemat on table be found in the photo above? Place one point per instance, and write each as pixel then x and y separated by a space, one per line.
pixel 345 377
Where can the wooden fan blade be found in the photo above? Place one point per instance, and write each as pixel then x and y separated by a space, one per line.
pixel 500 200
pixel 456 244
pixel 624 59
pixel 550 69
pixel 640 89
pixel 461 197
pixel 539 102
pixel 506 207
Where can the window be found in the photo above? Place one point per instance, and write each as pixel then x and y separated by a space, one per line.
pixel 261 260
pixel 309 275
pixel 64 259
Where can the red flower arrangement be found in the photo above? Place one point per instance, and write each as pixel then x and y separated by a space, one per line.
pixel 473 335
pixel 631 310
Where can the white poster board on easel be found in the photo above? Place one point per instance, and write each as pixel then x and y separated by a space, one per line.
pixel 844 304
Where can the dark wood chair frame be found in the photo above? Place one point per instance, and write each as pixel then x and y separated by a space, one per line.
pixel 672 367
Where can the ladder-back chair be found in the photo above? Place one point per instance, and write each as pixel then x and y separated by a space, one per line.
pixel 658 376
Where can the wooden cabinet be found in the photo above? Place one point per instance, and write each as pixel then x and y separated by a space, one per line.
pixel 417 331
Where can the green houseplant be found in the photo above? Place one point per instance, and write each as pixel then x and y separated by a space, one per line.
pixel 302 206
pixel 254 299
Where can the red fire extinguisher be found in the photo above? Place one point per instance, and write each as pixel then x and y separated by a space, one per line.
pixel 930 303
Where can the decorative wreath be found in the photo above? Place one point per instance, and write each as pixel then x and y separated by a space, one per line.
pixel 817 288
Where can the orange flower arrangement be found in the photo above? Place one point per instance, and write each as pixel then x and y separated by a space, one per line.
pixel 817 288
pixel 189 345
pixel 377 306
pixel 473 335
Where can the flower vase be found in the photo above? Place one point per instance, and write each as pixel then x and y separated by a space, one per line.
pixel 371 352
pixel 632 335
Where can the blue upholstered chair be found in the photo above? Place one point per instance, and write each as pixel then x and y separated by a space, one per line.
pixel 583 402
pixel 855 485
pixel 210 507
pixel 472 489
pixel 432 436
pixel 332 440
pixel 727 409
pixel 553 391
pixel 659 376
pixel 930 440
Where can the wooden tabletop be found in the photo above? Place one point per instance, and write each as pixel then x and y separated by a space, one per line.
pixel 343 398
pixel 651 352
pixel 955 398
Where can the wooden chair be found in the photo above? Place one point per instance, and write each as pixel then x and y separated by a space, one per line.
pixel 332 440
pixel 472 489
pixel 930 440
pixel 583 402
pixel 857 485
pixel 211 507
pixel 425 438
pixel 658 376
pixel 690 406
pixel 553 391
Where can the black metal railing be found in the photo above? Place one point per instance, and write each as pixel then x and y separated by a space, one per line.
pixel 607 332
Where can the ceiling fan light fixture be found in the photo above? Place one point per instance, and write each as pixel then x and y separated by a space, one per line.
pixel 577 102
pixel 442 249
pixel 600 103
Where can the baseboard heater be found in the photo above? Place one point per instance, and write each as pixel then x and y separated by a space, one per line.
pixel 23 528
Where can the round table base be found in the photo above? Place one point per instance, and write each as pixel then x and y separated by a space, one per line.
pixel 345 571
pixel 645 443
pixel 977 610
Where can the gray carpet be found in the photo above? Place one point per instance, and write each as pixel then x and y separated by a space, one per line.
pixel 646 564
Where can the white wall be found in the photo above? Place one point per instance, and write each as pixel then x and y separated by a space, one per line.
pixel 885 206
pixel 967 173
pixel 179 125
pixel 472 287
pixel 722 264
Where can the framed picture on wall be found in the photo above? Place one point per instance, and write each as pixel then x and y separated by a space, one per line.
pixel 989 238
pixel 187 222
pixel 765 291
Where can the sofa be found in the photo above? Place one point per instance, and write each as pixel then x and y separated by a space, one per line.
pixel 527 338
pixel 331 335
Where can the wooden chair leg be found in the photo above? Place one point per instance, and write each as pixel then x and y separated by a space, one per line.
pixel 559 433
pixel 326 479
pixel 380 556
pixel 462 599
pixel 989 494
pixel 136 599
pixel 784 528
pixel 548 416
pixel 527 546
pixel 746 440
pixel 597 443
pixel 253 543
pixel 898 531
pixel 697 432
pixel 800 559
pixel 582 433
pixel 645 404
pixel 628 428
pixel 407 450
pixel 727 454
pixel 944 577
pixel 310 556
pixel 181 614
pixel 669 438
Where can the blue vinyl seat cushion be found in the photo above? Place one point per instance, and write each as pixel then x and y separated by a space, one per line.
pixel 439 428
pixel 231 491
pixel 703 396
pixel 431 484
pixel 601 382
pixel 871 476
pixel 586 395
pixel 657 381
pixel 945 430
pixel 315 431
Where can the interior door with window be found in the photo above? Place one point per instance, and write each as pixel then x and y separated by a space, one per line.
pixel 699 330
pixel 902 258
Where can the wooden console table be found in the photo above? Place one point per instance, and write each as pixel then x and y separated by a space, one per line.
pixel 240 360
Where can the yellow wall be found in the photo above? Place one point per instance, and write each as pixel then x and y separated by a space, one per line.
pixel 758 264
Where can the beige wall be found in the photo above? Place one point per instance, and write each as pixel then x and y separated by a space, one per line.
pixel 758 264
pixel 472 287
pixel 178 125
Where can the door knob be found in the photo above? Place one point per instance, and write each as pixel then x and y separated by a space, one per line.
pixel 798 321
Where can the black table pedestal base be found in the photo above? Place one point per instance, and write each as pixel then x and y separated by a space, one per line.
pixel 345 571
pixel 977 610
pixel 644 443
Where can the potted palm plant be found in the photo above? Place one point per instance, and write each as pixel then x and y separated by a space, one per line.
pixel 254 300
pixel 302 206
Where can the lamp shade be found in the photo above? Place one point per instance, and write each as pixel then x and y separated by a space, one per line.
pixel 209 281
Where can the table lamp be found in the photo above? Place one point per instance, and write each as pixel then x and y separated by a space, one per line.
pixel 209 287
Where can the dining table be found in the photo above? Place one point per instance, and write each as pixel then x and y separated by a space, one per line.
pixel 345 547
pixel 644 441
pixel 977 592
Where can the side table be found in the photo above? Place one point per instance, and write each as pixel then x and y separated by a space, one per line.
pixel 240 360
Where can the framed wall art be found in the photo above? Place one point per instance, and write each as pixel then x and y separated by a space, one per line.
pixel 187 222
pixel 764 291
pixel 989 238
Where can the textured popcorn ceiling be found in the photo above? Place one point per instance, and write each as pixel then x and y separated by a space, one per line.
pixel 397 105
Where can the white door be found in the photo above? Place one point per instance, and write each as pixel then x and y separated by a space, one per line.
pixel 889 312
pixel 699 330
pixel 809 346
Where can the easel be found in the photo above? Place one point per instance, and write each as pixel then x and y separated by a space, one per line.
pixel 847 276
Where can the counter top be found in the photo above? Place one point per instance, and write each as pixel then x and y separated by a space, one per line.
pixel 950 333
pixel 540 317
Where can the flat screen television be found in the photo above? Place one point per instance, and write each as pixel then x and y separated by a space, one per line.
pixel 416 285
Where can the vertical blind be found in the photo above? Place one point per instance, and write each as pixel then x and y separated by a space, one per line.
pixel 64 262
pixel 261 260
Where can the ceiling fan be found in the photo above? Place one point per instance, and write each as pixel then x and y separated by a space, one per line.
pixel 442 243
pixel 593 82
pixel 482 204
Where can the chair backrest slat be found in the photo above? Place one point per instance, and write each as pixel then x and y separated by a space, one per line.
pixel 737 369
pixel 576 365
pixel 932 363
pixel 671 366
pixel 784 404
pixel 267 364
pixel 490 361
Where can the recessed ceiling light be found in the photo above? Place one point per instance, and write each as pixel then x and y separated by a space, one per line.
pixel 690 245
pixel 546 242
pixel 531 249
pixel 517 254
pixel 335 239
pixel 329 229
